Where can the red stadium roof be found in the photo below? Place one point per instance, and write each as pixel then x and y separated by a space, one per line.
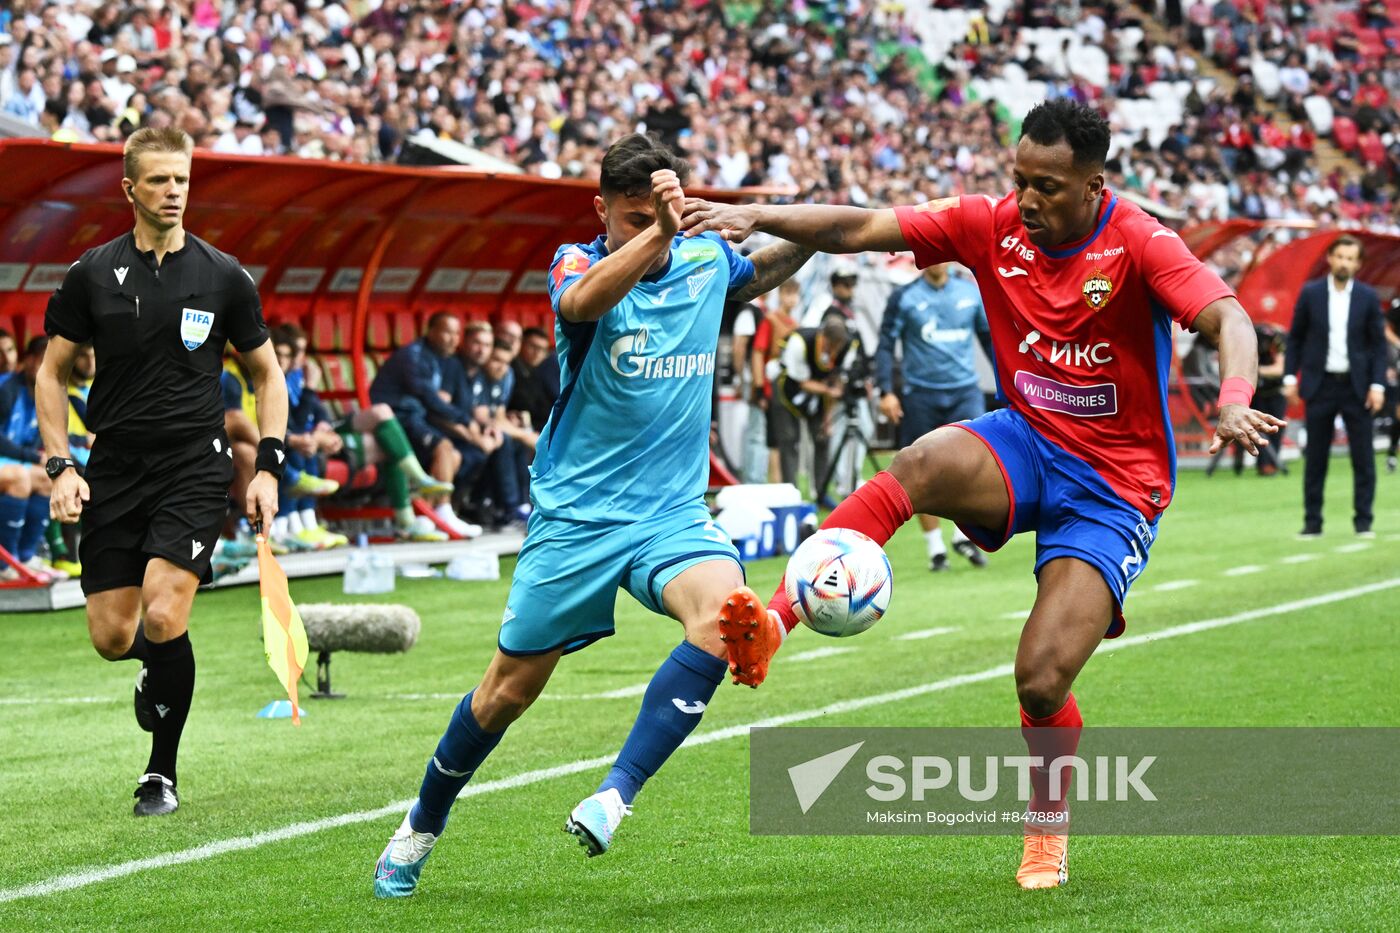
pixel 318 237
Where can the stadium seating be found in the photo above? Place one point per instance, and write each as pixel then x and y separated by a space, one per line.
pixel 726 93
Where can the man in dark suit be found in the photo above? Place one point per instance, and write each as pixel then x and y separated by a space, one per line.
pixel 1336 362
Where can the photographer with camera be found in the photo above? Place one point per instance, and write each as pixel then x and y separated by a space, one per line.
pixel 819 367
pixel 934 320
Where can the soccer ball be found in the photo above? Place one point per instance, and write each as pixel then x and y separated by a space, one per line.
pixel 839 582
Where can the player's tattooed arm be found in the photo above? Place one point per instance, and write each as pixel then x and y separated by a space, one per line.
pixel 772 266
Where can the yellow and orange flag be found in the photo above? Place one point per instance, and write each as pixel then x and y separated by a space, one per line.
pixel 284 636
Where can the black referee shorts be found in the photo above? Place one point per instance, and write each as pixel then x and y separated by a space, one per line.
pixel 168 503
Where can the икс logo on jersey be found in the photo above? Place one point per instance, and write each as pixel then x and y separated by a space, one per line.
pixel 1074 355
pixel 627 359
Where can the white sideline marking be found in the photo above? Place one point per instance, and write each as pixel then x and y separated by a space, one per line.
pixel 44 701
pixel 1242 570
pixel 635 690
pixel 1298 558
pixel 1173 585
pixel 80 879
pixel 1018 614
pixel 816 654
pixel 925 633
pixel 1353 548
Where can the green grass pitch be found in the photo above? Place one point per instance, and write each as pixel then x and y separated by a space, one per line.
pixel 685 860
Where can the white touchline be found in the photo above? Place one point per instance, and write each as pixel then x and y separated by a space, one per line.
pixel 1241 571
pixel 44 701
pixel 816 654
pixel 80 879
pixel 925 633
pixel 1173 585
pixel 1353 548
pixel 425 696
pixel 621 693
pixel 1298 558
pixel 1018 614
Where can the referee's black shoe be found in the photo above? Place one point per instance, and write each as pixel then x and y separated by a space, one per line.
pixel 155 796
pixel 969 550
pixel 145 709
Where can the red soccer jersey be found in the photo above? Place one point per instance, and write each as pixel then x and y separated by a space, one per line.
pixel 1082 335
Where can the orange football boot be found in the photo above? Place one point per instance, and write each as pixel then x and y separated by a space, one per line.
pixel 1044 860
pixel 751 636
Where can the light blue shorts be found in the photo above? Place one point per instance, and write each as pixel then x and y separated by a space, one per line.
pixel 568 574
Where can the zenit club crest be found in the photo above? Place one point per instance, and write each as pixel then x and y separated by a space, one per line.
pixel 1098 289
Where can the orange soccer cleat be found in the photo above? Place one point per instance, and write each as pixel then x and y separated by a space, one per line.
pixel 751 635
pixel 1044 860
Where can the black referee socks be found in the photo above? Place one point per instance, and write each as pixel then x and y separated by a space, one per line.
pixel 138 650
pixel 169 687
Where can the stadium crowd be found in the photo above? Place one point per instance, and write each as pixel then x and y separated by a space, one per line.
pixel 853 102
pixel 456 429
pixel 843 101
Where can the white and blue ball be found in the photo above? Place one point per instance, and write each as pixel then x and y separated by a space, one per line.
pixel 839 582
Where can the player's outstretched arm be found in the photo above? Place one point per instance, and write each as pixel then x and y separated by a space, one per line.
pixel 819 227
pixel 772 266
pixel 1226 324
pixel 608 281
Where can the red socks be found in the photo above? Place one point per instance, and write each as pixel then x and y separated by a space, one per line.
pixel 1050 738
pixel 876 510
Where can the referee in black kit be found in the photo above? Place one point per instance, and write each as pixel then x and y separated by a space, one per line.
pixel 158 305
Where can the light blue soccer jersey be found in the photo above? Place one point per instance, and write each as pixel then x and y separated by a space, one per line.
pixel 629 436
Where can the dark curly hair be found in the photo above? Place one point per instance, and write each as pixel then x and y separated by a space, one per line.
pixel 629 162
pixel 1064 120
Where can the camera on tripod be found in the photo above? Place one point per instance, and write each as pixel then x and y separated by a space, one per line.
pixel 855 375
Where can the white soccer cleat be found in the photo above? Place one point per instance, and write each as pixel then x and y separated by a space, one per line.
pixel 399 867
pixel 463 529
pixel 596 819
pixel 422 529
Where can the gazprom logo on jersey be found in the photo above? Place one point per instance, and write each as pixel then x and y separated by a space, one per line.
pixel 627 359
pixel 194 327
pixel 1095 401
pixel 932 334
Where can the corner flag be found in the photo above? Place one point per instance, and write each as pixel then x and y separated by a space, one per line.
pixel 284 637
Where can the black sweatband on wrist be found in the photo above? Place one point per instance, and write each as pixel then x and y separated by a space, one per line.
pixel 272 456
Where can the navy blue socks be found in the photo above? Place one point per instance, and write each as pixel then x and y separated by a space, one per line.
pixel 462 749
pixel 671 709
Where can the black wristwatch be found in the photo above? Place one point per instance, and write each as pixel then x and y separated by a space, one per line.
pixel 56 465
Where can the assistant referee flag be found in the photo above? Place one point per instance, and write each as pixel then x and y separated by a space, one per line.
pixel 284 636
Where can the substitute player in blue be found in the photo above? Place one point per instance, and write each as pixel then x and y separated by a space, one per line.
pixel 617 486
pixel 936 321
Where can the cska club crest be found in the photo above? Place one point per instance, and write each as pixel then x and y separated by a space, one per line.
pixel 1098 289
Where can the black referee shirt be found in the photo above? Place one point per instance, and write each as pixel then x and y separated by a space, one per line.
pixel 159 336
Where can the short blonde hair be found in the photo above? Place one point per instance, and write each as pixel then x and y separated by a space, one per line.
pixel 150 139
